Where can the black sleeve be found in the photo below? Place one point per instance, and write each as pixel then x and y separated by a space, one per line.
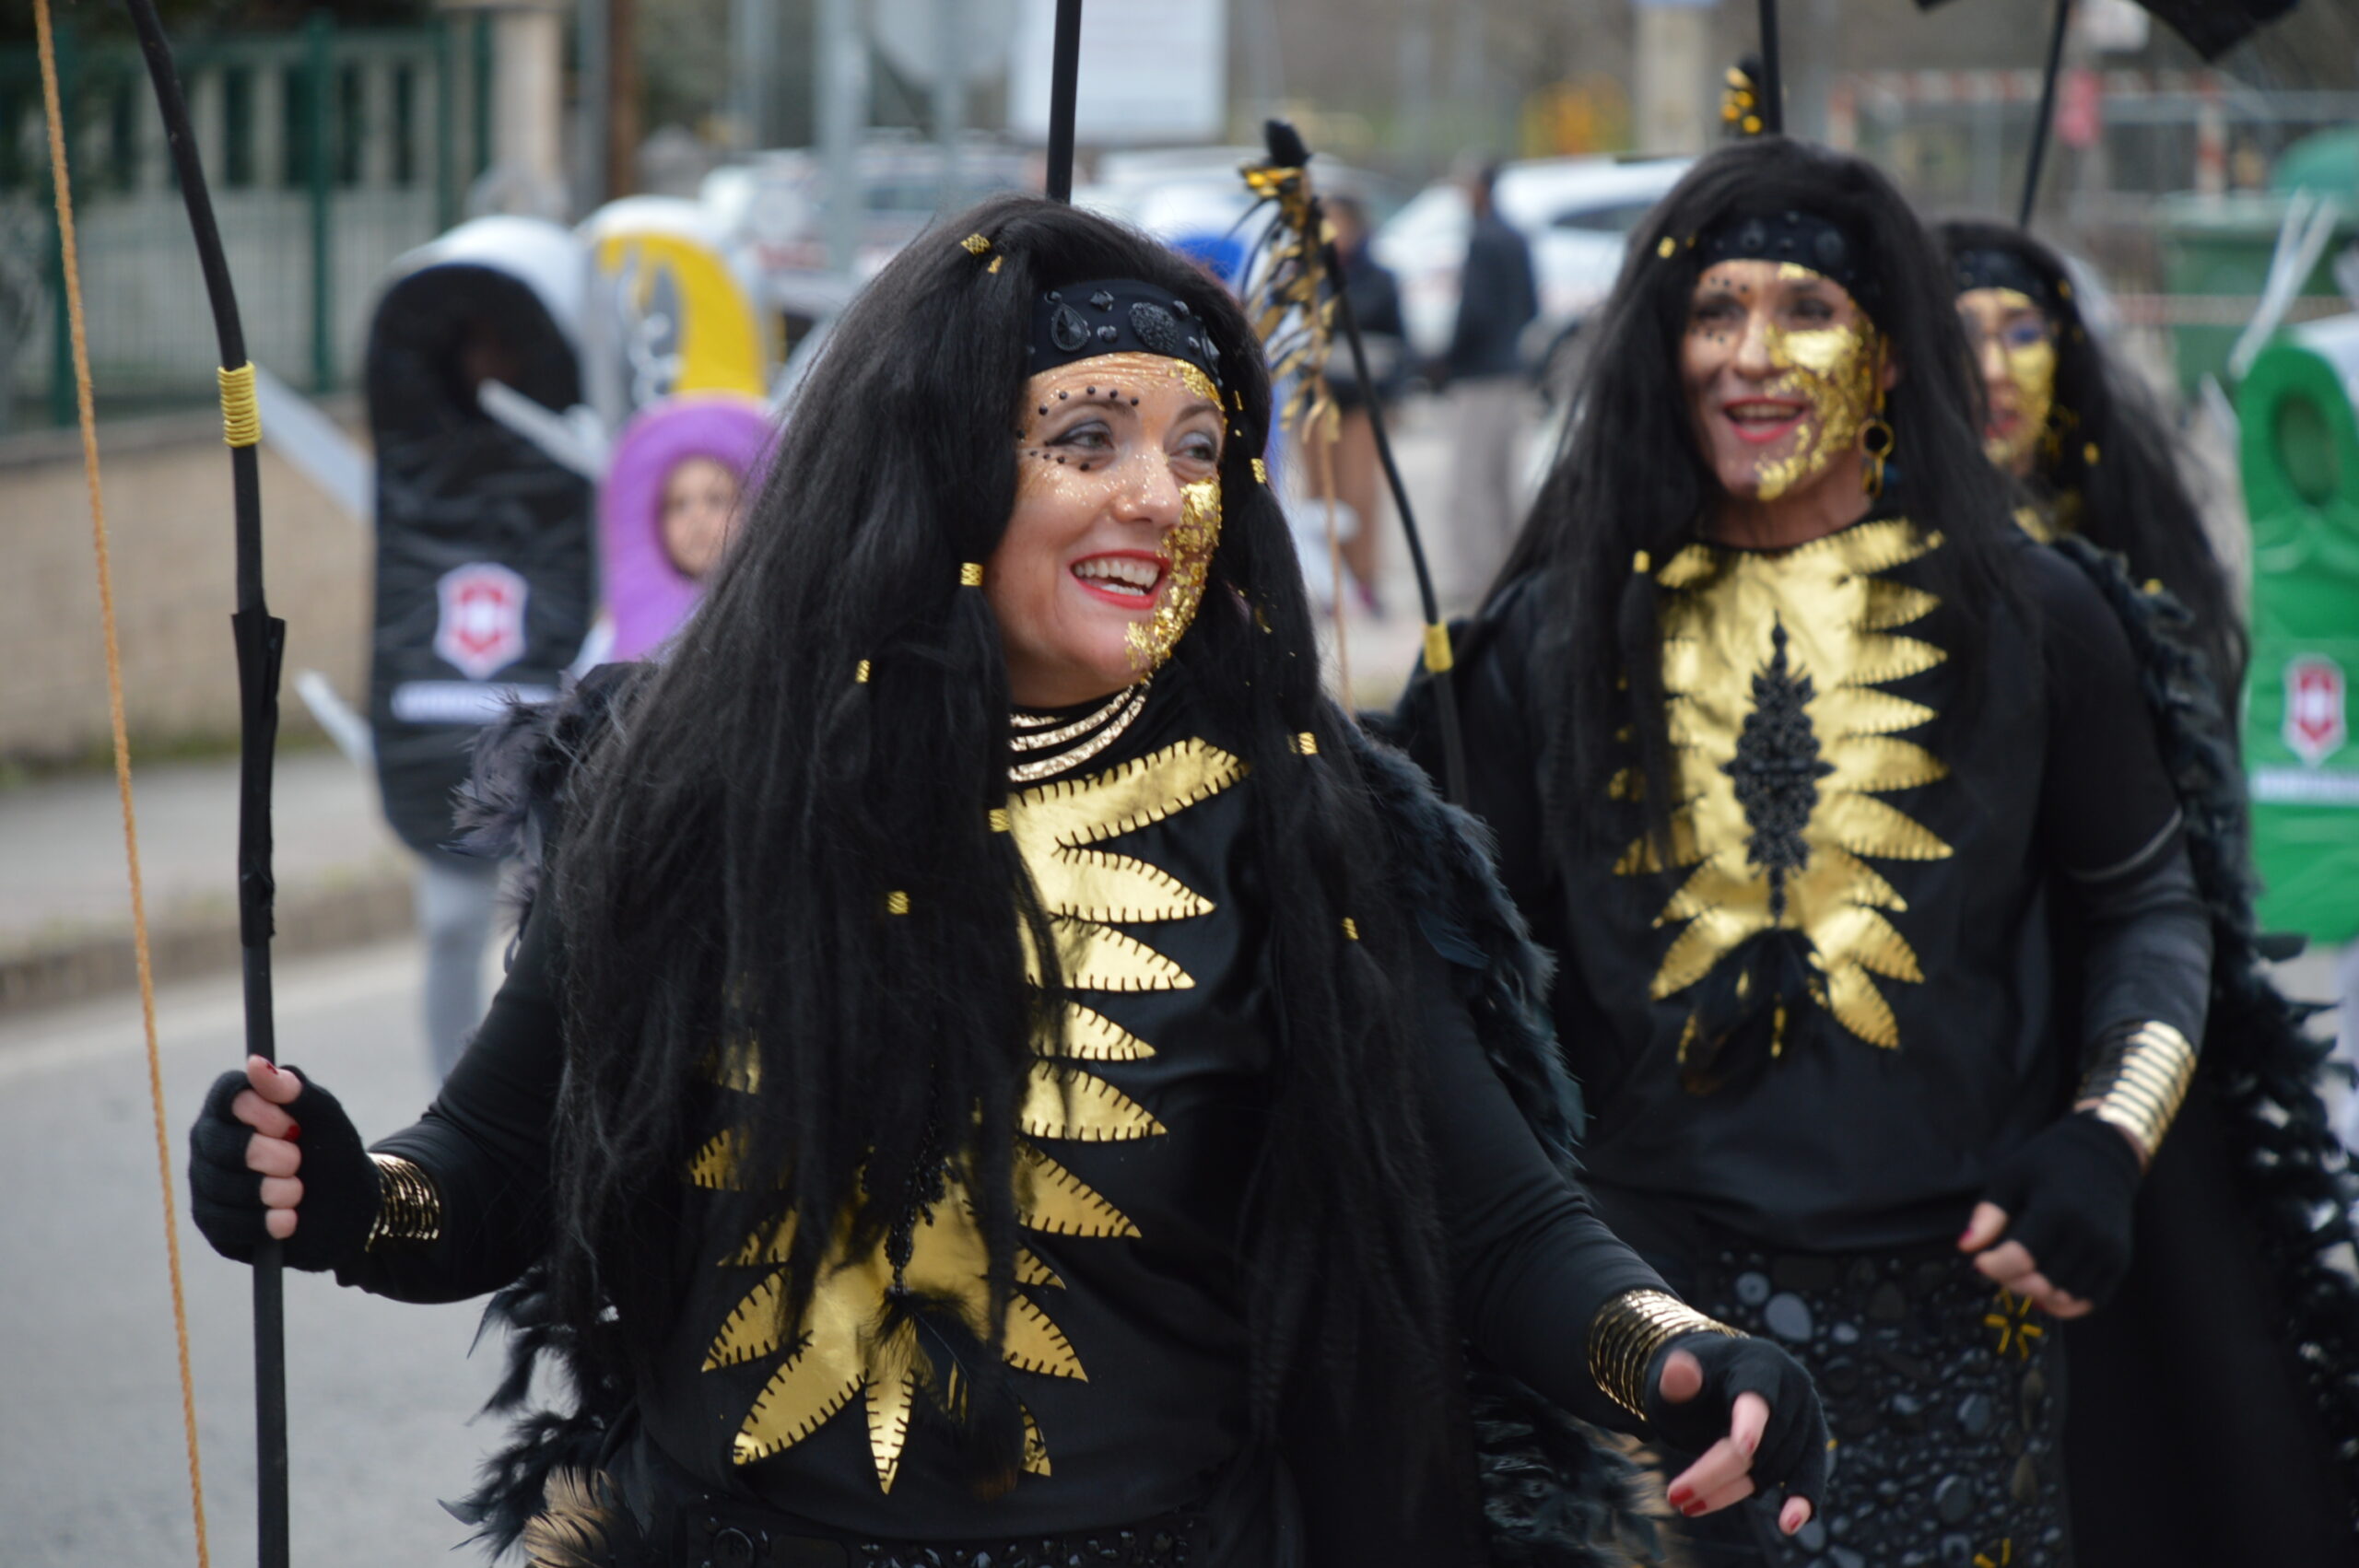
pixel 486 1144
pixel 2111 820
pixel 1532 1260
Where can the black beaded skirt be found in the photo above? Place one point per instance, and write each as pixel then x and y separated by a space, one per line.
pixel 1945 1397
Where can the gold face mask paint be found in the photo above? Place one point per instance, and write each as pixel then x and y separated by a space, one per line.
pixel 1831 369
pixel 1191 546
pixel 1837 371
pixel 2021 373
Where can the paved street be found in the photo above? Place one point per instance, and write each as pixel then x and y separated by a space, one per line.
pixel 95 1467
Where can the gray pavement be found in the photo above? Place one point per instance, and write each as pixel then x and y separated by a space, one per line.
pixel 379 1393
pixel 62 841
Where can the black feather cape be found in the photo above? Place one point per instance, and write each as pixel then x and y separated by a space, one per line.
pixel 1555 1492
pixel 2225 1376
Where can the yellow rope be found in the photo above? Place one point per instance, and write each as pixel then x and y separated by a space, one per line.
pixel 122 745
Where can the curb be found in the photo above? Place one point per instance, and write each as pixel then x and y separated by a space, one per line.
pixel 189 943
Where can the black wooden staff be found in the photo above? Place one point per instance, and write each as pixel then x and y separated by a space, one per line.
pixel 261 641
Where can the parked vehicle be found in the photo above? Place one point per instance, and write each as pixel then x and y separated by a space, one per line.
pixel 1577 213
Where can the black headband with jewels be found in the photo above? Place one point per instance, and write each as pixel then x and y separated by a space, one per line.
pixel 1082 320
pixel 1803 238
pixel 1988 266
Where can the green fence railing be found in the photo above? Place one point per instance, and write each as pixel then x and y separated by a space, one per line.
pixel 332 151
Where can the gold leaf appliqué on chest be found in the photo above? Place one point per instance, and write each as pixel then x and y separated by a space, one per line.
pixel 835 1354
pixel 1783 746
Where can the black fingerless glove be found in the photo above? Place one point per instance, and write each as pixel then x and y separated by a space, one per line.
pixel 2069 1194
pixel 1792 1452
pixel 340 1193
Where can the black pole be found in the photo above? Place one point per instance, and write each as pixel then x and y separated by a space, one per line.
pixel 261 641
pixel 1773 81
pixel 1064 81
pixel 2047 114
pixel 1454 739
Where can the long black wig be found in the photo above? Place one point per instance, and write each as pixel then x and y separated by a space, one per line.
pixel 832 728
pixel 2108 463
pixel 1629 476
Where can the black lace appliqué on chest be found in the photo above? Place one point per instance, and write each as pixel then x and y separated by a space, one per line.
pixel 1776 770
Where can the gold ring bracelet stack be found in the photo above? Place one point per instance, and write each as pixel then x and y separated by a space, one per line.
pixel 1628 1330
pixel 409 1208
pixel 2138 1080
pixel 1083 738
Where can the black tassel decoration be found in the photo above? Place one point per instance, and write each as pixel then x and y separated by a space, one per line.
pixel 1749 1009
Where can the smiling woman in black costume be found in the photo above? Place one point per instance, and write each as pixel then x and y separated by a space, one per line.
pixel 950 1138
pixel 1802 757
pixel 2062 418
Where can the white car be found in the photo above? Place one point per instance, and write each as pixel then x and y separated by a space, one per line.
pixel 1576 213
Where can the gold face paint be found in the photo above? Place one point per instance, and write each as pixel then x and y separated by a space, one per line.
pixel 1191 546
pixel 1815 352
pixel 1837 369
pixel 1142 476
pixel 2016 347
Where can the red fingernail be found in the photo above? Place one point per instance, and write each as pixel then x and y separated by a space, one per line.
pixel 1692 1510
pixel 1680 1496
pixel 1751 1443
pixel 294 1131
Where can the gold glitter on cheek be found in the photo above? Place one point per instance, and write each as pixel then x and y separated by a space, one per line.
pixel 2032 367
pixel 1836 369
pixel 1191 548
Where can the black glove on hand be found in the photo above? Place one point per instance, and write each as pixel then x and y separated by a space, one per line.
pixel 2069 1195
pixel 339 1201
pixel 1793 1446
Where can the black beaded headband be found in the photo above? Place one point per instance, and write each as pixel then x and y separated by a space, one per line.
pixel 1082 320
pixel 1804 239
pixel 1988 266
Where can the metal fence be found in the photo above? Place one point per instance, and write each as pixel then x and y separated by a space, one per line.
pixel 330 152
pixel 1959 140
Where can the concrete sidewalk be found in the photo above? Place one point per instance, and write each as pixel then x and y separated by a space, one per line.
pixel 66 900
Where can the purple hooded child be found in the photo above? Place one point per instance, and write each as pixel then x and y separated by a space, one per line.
pixel 679 477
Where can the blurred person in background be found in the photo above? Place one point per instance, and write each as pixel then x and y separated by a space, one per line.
pixel 1484 373
pixel 2068 421
pixel 2238 1440
pixel 673 498
pixel 1810 765
pixel 1376 304
pixel 484 578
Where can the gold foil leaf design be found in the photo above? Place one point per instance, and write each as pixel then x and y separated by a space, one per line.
pixel 1813 633
pixel 847 1345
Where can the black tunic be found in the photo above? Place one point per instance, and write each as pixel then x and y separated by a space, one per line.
pixel 1937 833
pixel 1143 1400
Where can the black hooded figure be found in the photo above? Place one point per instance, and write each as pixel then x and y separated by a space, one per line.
pixel 2072 425
pixel 1808 764
pixel 1112 1133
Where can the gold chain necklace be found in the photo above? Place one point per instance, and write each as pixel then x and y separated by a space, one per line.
pixel 1082 738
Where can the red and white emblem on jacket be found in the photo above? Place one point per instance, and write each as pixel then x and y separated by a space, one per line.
pixel 2315 726
pixel 481 631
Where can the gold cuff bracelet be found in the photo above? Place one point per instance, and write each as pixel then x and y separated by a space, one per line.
pixel 1628 1330
pixel 2139 1081
pixel 408 1206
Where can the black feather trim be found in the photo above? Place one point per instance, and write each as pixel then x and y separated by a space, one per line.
pixel 2294 1178
pixel 513 802
pixel 513 1485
